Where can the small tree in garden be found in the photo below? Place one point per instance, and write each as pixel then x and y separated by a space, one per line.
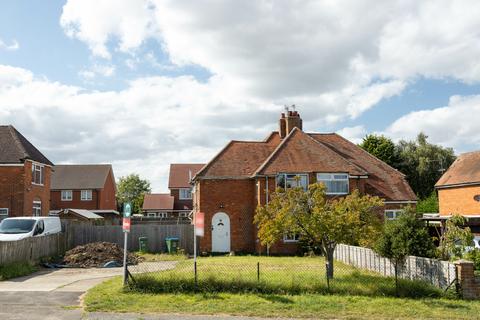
pixel 321 222
pixel 455 238
pixel 132 189
pixel 405 236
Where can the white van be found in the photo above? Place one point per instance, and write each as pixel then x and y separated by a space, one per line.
pixel 12 229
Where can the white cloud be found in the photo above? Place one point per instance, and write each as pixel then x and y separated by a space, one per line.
pixel 13 46
pixel 354 134
pixel 454 125
pixel 97 70
pixel 318 54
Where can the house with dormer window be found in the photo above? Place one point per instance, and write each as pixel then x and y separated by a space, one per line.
pixel 245 173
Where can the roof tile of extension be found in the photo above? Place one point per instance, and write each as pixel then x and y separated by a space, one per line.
pixel 465 170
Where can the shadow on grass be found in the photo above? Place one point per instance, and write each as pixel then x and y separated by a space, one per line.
pixel 354 283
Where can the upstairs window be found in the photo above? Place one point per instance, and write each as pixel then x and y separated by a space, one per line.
pixel 86 195
pixel 37 208
pixel 392 214
pixel 185 194
pixel 37 174
pixel 290 237
pixel 67 195
pixel 292 180
pixel 336 183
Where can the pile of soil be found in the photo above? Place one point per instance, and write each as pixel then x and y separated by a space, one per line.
pixel 97 254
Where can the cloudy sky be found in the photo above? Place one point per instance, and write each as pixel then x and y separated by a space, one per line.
pixel 143 83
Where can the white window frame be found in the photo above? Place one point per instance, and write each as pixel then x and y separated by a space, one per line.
pixel 290 237
pixel 187 196
pixel 286 178
pixel 183 214
pixel 331 177
pixel 64 194
pixel 151 214
pixel 37 206
pixel 396 213
pixel 38 168
pixel 83 194
pixel 4 210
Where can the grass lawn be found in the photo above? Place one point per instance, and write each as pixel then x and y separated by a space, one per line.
pixel 15 270
pixel 110 297
pixel 155 257
pixel 274 275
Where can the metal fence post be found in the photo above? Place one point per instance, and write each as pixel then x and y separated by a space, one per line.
pixel 195 274
pixel 258 271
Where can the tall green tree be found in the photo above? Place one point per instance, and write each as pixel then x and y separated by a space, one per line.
pixel 381 147
pixel 321 222
pixel 423 163
pixel 405 236
pixel 132 189
pixel 429 204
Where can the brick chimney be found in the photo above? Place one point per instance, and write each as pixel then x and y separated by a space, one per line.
pixel 289 121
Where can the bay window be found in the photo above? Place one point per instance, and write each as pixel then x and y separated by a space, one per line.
pixel 37 174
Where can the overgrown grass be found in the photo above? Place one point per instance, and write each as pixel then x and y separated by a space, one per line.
pixel 15 270
pixel 156 257
pixel 275 275
pixel 110 297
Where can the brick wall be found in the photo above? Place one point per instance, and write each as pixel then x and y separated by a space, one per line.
pixel 180 204
pixel 237 199
pixel 459 200
pixel 107 200
pixel 36 192
pixel 12 189
pixel 76 203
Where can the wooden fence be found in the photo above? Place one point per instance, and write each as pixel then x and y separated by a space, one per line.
pixel 438 273
pixel 32 249
pixel 80 234
pixel 35 248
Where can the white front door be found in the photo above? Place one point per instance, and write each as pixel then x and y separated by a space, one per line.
pixel 220 232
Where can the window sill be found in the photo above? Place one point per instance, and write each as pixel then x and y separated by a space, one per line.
pixel 290 241
pixel 85 200
pixel 38 184
pixel 337 194
pixel 66 200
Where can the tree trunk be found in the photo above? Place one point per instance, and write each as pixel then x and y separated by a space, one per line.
pixel 329 257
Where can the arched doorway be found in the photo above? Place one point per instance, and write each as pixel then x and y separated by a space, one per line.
pixel 220 232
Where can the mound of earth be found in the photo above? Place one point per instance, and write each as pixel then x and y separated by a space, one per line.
pixel 97 254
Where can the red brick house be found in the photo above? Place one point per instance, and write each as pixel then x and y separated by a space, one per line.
pixel 83 186
pixel 24 176
pixel 459 190
pixel 244 173
pixel 179 203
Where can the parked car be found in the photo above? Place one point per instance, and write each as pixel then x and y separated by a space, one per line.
pixel 12 229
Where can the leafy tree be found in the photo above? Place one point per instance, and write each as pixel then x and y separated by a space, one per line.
pixel 405 236
pixel 423 163
pixel 429 204
pixel 455 238
pixel 381 147
pixel 322 223
pixel 132 189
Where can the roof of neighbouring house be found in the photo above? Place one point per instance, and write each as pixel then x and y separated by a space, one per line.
pixel 83 213
pixel 181 173
pixel 464 170
pixel 15 148
pixel 80 176
pixel 308 152
pixel 158 201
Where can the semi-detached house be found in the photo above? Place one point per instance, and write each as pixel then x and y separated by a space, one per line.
pixel 244 174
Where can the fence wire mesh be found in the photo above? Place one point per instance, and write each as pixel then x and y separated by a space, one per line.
pixel 261 274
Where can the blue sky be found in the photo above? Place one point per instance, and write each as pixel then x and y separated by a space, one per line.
pixel 141 84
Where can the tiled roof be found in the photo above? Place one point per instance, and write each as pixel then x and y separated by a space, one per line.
pixel 158 201
pixel 308 152
pixel 85 213
pixel 383 180
pixel 15 148
pixel 181 173
pixel 238 159
pixel 80 176
pixel 465 170
pixel 299 152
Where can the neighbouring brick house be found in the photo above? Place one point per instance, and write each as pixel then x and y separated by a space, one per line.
pixel 24 176
pixel 84 186
pixel 459 189
pixel 244 173
pixel 179 203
